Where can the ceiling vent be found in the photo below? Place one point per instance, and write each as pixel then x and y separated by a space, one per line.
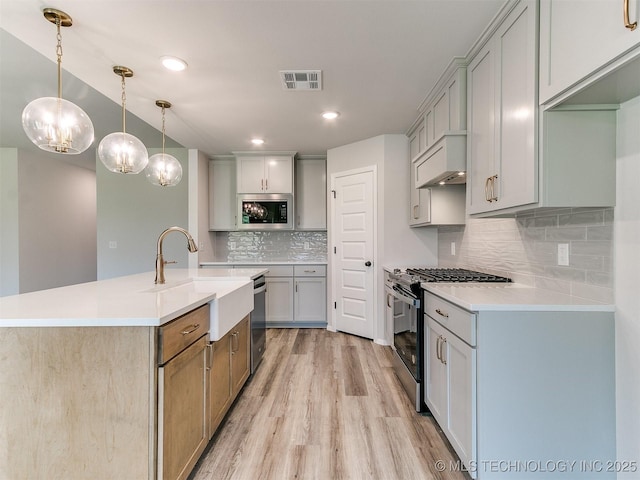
pixel 301 79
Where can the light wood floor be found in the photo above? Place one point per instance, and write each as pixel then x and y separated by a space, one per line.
pixel 325 406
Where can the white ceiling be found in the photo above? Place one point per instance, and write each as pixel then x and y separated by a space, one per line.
pixel 379 60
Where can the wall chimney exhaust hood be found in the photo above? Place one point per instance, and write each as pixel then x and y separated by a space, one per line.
pixel 444 163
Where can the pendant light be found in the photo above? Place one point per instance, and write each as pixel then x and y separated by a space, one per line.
pixel 52 123
pixel 121 152
pixel 163 170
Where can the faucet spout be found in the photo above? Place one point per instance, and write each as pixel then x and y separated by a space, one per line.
pixel 160 262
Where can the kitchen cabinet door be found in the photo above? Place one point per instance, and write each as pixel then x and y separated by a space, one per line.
pixel 250 171
pixel 278 173
pixel 578 38
pixel 219 382
pixel 222 195
pixel 419 213
pixel 310 301
pixel 502 119
pixel 182 428
pixel 311 194
pixel 279 300
pixel 239 355
pixel 435 372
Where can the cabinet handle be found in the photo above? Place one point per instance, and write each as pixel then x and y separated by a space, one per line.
pixel 296 287
pixel 416 215
pixel 309 271
pixel 493 186
pixel 234 339
pixel 266 184
pixel 190 329
pixel 486 189
pixel 438 347
pixel 442 357
pixel 388 297
pixel 630 26
pixel 262 184
pixel 209 356
pixel 440 312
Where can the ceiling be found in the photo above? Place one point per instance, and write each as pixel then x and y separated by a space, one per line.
pixel 379 59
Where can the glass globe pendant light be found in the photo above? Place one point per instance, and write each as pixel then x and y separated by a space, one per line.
pixel 121 152
pixel 163 170
pixel 52 123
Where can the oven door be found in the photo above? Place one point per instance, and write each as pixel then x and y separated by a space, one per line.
pixel 406 337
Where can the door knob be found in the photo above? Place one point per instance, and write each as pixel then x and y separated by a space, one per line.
pixel 367 263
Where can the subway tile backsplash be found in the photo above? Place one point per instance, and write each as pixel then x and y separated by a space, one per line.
pixel 271 246
pixel 525 248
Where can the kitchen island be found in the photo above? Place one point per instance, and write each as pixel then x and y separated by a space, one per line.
pixel 84 385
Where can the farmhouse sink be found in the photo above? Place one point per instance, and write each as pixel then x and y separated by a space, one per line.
pixel 233 302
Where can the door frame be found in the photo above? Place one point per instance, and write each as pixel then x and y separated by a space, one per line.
pixel 331 325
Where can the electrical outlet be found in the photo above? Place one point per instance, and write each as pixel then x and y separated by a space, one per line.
pixel 563 254
pixel 453 249
pixel 113 244
pixel 306 245
pixel 232 245
pixel 201 247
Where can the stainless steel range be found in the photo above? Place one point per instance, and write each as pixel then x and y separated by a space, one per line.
pixel 405 314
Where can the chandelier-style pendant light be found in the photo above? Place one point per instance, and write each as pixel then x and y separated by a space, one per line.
pixel 163 169
pixel 121 152
pixel 52 123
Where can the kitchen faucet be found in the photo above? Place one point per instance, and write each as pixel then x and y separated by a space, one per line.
pixel 160 262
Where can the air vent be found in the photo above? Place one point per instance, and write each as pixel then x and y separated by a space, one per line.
pixel 301 79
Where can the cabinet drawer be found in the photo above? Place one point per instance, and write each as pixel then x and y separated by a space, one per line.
pixel 177 335
pixel 457 320
pixel 279 270
pixel 310 270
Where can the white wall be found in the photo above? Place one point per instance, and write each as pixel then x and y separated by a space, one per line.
pixel 133 213
pixel 396 243
pixel 48 222
pixel 627 265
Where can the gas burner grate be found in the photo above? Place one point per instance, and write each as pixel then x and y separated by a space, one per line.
pixel 455 275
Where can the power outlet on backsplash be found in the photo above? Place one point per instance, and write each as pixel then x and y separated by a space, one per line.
pixel 306 245
pixel 232 245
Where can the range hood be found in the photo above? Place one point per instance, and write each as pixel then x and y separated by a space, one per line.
pixel 444 163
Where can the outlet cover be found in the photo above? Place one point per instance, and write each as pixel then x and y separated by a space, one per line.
pixel 563 254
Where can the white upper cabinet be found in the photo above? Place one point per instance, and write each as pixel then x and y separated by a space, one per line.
pixel 581 39
pixel 265 173
pixel 311 194
pixel 502 113
pixel 222 194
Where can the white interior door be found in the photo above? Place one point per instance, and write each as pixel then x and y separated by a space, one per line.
pixel 353 239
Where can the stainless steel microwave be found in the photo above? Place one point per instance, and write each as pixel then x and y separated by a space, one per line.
pixel 262 211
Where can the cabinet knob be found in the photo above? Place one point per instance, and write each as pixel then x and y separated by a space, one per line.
pixel 367 263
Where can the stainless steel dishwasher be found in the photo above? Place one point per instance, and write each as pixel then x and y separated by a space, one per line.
pixel 258 323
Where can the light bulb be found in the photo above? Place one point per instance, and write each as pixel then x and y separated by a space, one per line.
pixel 123 153
pixel 57 125
pixel 163 170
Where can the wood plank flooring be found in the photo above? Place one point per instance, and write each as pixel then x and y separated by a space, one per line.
pixel 325 406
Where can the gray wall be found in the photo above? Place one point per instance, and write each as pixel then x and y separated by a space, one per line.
pixel 48 222
pixel 133 213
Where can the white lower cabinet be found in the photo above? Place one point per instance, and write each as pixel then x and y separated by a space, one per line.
pixel 523 391
pixel 279 300
pixel 450 376
pixel 296 296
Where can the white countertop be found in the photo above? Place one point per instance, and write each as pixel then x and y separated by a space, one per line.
pixel 512 297
pixel 132 301
pixel 274 262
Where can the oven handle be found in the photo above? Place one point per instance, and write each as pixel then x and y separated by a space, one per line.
pixel 414 302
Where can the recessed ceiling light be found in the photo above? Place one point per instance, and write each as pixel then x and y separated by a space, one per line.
pixel 460 174
pixel 257 141
pixel 330 115
pixel 173 63
pixel 442 183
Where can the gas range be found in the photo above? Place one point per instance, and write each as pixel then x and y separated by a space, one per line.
pixel 411 278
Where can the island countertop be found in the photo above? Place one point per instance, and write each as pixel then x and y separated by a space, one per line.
pixel 132 300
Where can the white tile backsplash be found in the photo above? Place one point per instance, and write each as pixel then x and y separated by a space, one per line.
pixel 525 248
pixel 271 246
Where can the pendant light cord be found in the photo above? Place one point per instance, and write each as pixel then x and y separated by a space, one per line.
pixel 59 55
pixel 124 103
pixel 162 130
